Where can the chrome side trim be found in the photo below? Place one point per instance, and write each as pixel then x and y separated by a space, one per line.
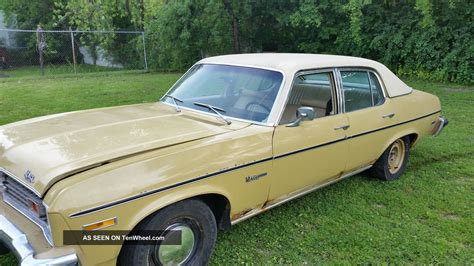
pixel 17 242
pixel 302 193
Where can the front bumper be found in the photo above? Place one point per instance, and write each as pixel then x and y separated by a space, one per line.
pixel 17 242
pixel 440 123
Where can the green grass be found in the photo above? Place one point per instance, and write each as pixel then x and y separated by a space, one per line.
pixel 426 217
pixel 51 70
pixel 21 99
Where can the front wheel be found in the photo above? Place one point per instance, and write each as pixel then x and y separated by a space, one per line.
pixel 198 235
pixel 392 163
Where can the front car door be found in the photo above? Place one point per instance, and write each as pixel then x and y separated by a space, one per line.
pixel 314 152
pixel 368 112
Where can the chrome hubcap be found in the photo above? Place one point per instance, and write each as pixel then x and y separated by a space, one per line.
pixel 176 254
pixel 396 156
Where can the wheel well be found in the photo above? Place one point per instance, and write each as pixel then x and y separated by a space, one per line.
pixel 413 137
pixel 220 207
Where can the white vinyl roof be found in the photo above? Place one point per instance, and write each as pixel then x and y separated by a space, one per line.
pixel 290 64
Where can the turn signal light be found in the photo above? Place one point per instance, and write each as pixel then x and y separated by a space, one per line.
pixel 35 207
pixel 100 225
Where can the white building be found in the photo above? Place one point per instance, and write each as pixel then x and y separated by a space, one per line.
pixel 7 39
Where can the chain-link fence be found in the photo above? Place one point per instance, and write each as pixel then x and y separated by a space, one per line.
pixel 53 52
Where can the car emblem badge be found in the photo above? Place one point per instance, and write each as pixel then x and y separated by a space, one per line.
pixel 29 176
pixel 254 177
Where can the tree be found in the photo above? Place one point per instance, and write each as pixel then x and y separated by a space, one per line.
pixel 235 24
pixel 423 38
pixel 185 31
pixel 28 15
pixel 105 15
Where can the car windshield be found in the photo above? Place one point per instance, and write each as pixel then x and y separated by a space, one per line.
pixel 233 91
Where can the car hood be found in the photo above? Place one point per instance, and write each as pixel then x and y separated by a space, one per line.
pixel 53 147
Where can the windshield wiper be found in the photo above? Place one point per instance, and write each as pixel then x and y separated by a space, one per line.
pixel 175 101
pixel 215 109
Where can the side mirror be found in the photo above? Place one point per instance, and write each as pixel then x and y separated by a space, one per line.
pixel 303 113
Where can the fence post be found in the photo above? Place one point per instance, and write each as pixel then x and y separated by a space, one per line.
pixel 144 51
pixel 73 51
pixel 41 42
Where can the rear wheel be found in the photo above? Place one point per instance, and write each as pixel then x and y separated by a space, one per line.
pixel 197 225
pixel 392 163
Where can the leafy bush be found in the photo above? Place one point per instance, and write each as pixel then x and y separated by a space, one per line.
pixel 427 39
pixel 422 38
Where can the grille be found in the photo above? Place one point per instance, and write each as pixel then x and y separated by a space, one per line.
pixel 21 198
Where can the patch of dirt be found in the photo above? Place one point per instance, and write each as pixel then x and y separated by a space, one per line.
pixel 377 205
pixel 457 89
pixel 462 180
pixel 451 216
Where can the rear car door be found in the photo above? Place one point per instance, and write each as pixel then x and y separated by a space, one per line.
pixel 369 113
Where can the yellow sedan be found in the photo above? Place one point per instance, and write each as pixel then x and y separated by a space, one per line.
pixel 235 136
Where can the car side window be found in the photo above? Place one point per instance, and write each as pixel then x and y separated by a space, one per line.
pixel 361 90
pixel 311 90
pixel 377 93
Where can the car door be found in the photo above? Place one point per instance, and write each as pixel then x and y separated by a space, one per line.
pixel 368 112
pixel 314 152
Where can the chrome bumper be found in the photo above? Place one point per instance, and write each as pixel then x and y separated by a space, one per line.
pixel 17 242
pixel 440 123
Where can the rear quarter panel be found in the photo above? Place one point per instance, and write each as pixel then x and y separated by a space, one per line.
pixel 414 114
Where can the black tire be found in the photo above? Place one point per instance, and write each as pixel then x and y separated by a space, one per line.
pixel 194 213
pixel 381 168
pixel 3 249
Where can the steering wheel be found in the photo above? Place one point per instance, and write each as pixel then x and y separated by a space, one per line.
pixel 254 108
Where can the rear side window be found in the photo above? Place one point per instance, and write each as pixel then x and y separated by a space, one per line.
pixel 361 90
pixel 376 89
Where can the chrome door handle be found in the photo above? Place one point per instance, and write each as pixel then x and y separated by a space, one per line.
pixel 388 115
pixel 345 127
